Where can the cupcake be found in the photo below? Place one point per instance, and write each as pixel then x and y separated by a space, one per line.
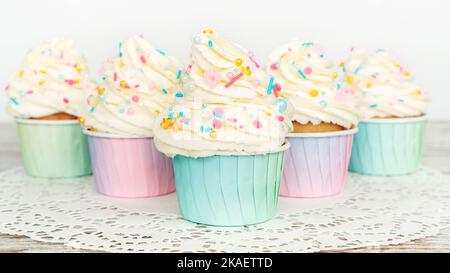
pixel 137 85
pixel 391 136
pixel 45 98
pixel 227 137
pixel 325 120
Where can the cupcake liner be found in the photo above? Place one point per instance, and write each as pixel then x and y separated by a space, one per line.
pixel 229 190
pixel 388 146
pixel 129 167
pixel 317 163
pixel 53 148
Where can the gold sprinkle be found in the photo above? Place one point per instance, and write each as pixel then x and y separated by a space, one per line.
pixel 238 62
pixel 166 123
pixel 208 31
pixel 213 134
pixel 313 93
pixel 81 120
pixel 123 84
pixel 78 69
pixel 43 71
pixel 415 92
pixel 341 64
pixel 41 82
pixel 349 79
pixel 407 73
pixel 369 85
pixel 100 90
pixel 21 73
pixel 335 75
pixel 246 71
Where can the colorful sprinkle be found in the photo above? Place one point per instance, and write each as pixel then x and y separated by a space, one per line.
pixel 280 118
pixel 179 74
pixel 217 123
pixel 273 66
pixel 282 105
pixel 124 84
pixel 14 101
pixel 349 79
pixel 164 91
pixel 270 86
pixel 210 43
pixel 313 93
pixel 301 73
pixel 374 105
pixel 212 79
pixel 166 123
pixel 307 70
pixel 65 100
pixel 143 60
pixel 130 111
pixel 41 82
pixel 335 75
pixel 257 124
pixel 233 80
pixel 81 120
pixel 230 75
pixel 135 98
pixel 21 73
pixel 213 134
pixel 161 52
pixel 246 70
pixel 238 62
pixel 369 85
pixel 234 120
pixel 100 90
pixel 179 94
pixel 218 111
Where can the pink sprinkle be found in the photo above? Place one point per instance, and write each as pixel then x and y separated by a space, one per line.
pixel 143 60
pixel 135 99
pixel 69 82
pixel 136 86
pixel 241 126
pixel 230 75
pixel 217 123
pixel 307 70
pixel 280 118
pixel 218 111
pixel 232 120
pixel 7 87
pixel 115 76
pixel 253 60
pixel 257 124
pixel 130 111
pixel 273 67
pixel 61 55
pixel 29 92
pixel 233 80
pixel 65 100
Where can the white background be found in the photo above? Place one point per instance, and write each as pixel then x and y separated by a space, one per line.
pixel 418 29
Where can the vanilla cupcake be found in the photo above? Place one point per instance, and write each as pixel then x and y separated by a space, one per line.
pixel 391 137
pixel 227 137
pixel 46 97
pixel 325 119
pixel 137 85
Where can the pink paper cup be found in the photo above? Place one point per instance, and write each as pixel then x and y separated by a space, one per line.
pixel 129 167
pixel 316 165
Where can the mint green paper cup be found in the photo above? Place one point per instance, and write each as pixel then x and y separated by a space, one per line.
pixel 229 190
pixel 53 148
pixel 388 147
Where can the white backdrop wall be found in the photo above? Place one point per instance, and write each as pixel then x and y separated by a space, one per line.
pixel 418 29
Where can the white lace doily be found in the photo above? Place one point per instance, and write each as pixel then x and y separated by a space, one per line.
pixel 372 211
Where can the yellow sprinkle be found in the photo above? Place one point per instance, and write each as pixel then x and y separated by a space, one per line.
pixel 100 90
pixel 123 84
pixel 41 82
pixel 349 79
pixel 341 64
pixel 81 120
pixel 213 134
pixel 76 81
pixel 335 75
pixel 415 92
pixel 21 73
pixel 369 85
pixel 78 69
pixel 268 113
pixel 166 123
pixel 313 93
pixel 43 71
pixel 207 31
pixel 121 64
pixel 157 111
pixel 238 62
pixel 246 71
pixel 407 73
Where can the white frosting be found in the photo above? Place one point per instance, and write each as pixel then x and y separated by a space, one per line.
pixel 227 109
pixel 310 83
pixel 53 79
pixel 385 88
pixel 138 84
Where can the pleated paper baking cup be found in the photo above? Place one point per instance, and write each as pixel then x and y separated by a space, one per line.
pixel 129 167
pixel 388 147
pixel 316 164
pixel 53 148
pixel 229 190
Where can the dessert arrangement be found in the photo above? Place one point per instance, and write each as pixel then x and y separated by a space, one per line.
pixel 227 133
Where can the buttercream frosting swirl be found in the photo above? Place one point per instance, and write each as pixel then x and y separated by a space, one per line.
pixel 53 79
pixel 137 85
pixel 384 87
pixel 311 84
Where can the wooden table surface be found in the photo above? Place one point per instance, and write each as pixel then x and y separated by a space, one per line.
pixel 437 155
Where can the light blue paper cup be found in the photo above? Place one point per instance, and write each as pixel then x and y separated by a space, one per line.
pixel 388 147
pixel 229 190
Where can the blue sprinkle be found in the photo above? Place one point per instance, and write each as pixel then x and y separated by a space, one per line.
pixel 357 69
pixel 14 101
pixel 205 130
pixel 92 109
pixel 308 44
pixel 121 110
pixel 270 87
pixel 219 116
pixel 338 86
pixel 343 69
pixel 179 74
pixel 181 114
pixel 104 78
pixel 208 129
pixel 161 52
pixel 210 43
pixel 165 91
pixel 201 129
pixel 120 49
pixel 179 94
pixel 301 73
pixel 171 115
pixel 374 105
pixel 282 105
